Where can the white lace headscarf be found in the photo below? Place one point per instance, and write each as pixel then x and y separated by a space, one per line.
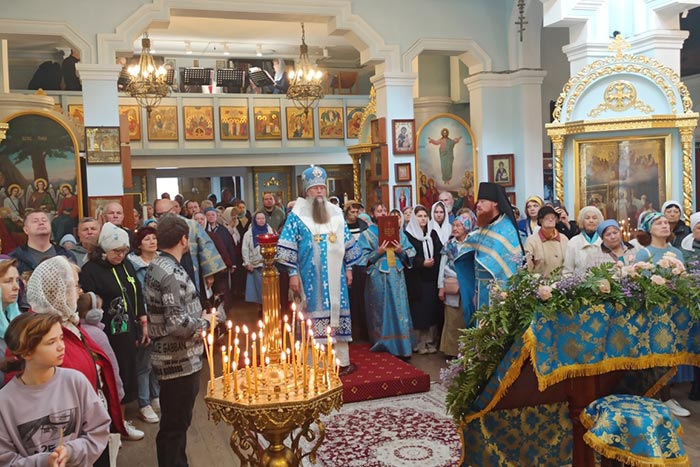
pixel 52 289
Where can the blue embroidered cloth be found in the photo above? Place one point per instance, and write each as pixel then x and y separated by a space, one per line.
pixel 599 339
pixel 634 430
pixel 605 337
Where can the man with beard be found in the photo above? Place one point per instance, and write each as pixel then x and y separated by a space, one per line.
pixel 318 250
pixel 489 253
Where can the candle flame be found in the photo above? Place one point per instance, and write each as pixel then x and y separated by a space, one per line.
pixel 294 307
pixel 253 337
pixel 245 329
pixel 229 324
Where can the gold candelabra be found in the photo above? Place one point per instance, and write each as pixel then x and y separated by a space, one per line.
pixel 278 387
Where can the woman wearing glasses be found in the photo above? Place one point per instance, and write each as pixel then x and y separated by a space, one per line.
pixel 108 275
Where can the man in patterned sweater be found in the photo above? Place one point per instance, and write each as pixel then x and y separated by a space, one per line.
pixel 176 321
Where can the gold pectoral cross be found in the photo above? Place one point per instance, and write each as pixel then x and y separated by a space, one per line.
pixel 318 238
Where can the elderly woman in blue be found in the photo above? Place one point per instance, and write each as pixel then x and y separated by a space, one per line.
pixel 386 298
pixel 613 248
pixel 9 291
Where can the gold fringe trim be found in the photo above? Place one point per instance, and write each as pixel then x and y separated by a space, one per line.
pixel 507 381
pixel 606 366
pixel 651 392
pixel 625 457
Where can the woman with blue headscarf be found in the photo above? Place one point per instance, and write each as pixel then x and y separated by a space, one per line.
pixel 614 248
pixel 448 287
pixel 9 291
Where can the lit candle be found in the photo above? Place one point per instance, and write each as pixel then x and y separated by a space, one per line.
pixel 294 320
pixel 225 376
pixel 245 331
pixel 314 360
pixel 294 363
pixel 247 378
pixel 329 343
pixel 254 338
pixel 210 341
pixel 235 379
pixel 263 349
pixel 284 332
pixel 229 324
pixel 213 320
pixel 206 352
pixel 283 361
pixel 261 326
pixel 302 358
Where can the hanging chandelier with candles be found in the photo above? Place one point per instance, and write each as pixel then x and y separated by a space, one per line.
pixel 148 83
pixel 305 87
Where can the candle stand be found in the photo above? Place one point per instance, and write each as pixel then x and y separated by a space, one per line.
pixel 278 387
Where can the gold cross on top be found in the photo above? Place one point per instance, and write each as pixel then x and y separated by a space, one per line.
pixel 619 44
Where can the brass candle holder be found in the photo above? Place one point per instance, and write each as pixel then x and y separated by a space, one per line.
pixel 283 385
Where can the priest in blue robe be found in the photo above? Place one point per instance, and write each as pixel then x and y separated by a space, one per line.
pixel 318 251
pixel 492 252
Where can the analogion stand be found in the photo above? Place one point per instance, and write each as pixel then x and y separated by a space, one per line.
pixel 283 387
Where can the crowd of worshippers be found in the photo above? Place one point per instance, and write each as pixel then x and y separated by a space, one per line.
pixel 126 307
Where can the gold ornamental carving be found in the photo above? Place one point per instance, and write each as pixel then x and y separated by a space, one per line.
pixel 618 97
pixel 687 161
pixel 662 76
pixel 370 109
pixel 621 95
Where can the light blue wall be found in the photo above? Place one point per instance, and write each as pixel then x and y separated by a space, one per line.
pixel 433 75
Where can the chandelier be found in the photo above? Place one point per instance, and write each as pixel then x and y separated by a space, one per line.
pixel 3 130
pixel 305 87
pixel 148 83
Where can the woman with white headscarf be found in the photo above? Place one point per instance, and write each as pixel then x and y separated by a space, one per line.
pixel 281 80
pixel 111 277
pixel 53 289
pixel 583 247
pixel 439 222
pixel 421 281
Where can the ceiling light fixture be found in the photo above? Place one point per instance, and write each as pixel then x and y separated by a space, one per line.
pixel 226 49
pixel 148 83
pixel 258 50
pixel 305 87
pixel 188 47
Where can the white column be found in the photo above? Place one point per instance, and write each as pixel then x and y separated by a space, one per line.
pixel 4 71
pixel 426 107
pixel 650 26
pixel 101 105
pixel 395 101
pixel 506 116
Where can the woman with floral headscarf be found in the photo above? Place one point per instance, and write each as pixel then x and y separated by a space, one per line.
pixel 53 289
pixel 448 287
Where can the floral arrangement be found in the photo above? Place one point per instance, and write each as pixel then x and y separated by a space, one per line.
pixel 640 286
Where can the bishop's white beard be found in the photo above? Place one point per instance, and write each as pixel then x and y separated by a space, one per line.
pixel 319 213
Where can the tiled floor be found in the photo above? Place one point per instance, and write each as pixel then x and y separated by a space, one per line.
pixel 208 444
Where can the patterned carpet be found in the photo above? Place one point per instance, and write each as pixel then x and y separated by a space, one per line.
pixel 379 374
pixel 404 431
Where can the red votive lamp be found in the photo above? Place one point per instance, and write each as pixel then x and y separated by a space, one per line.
pixel 268 238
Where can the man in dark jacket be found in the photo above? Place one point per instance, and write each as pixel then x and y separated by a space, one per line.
pixel 39 247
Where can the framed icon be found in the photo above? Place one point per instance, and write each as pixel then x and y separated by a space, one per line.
pixel 102 145
pixel 403 136
pixel 403 172
pixel 501 170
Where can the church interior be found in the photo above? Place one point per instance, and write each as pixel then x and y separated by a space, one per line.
pixel 578 102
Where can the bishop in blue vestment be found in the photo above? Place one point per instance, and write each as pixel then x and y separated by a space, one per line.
pixel 318 250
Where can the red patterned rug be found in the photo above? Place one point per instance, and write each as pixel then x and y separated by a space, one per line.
pixel 380 374
pixel 405 431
